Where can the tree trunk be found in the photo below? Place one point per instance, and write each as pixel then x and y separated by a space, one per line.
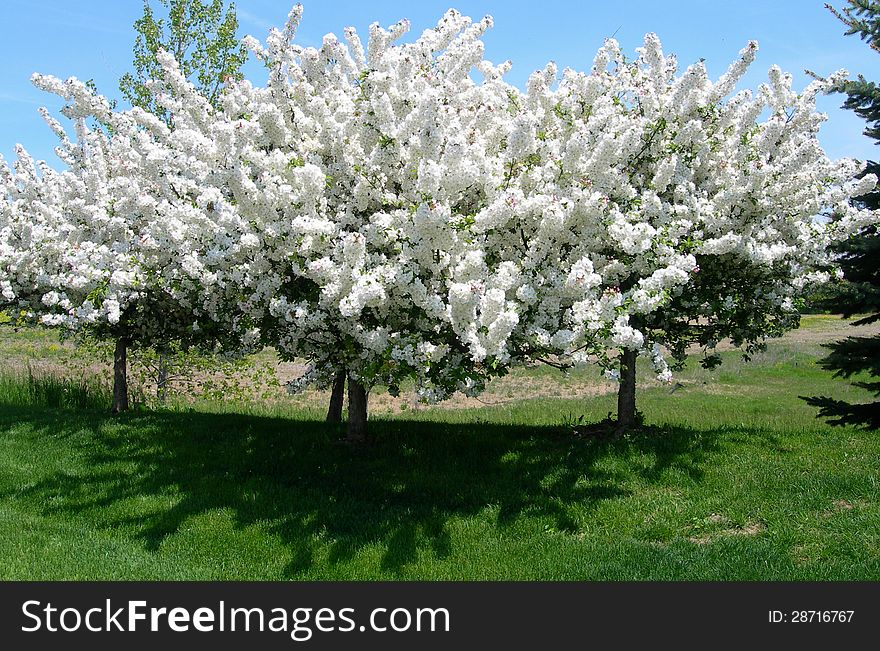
pixel 357 411
pixel 626 394
pixel 337 395
pixel 120 377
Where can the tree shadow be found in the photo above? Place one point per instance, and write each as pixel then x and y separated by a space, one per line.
pixel 294 479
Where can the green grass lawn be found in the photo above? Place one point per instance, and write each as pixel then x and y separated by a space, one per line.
pixel 733 479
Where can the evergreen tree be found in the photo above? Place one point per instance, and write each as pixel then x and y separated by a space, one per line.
pixel 859 256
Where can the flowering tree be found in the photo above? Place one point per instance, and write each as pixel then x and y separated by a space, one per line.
pixel 349 225
pixel 203 40
pixel 645 211
pixel 444 229
pixel 68 260
pixel 85 247
pixel 379 211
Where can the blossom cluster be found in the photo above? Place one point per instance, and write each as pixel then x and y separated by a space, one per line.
pixel 400 210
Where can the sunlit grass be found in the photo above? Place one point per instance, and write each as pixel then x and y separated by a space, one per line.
pixel 733 478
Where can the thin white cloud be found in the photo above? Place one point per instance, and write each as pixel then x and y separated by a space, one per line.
pixel 75 20
pixel 265 25
pixel 18 99
pixel 252 19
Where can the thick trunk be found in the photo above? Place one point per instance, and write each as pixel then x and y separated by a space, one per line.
pixel 120 377
pixel 357 411
pixel 626 394
pixel 337 395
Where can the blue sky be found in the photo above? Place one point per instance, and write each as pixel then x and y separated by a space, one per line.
pixel 92 39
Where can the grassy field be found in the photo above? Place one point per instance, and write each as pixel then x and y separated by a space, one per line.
pixel 733 478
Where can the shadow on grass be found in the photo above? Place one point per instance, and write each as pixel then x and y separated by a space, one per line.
pixel 297 482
